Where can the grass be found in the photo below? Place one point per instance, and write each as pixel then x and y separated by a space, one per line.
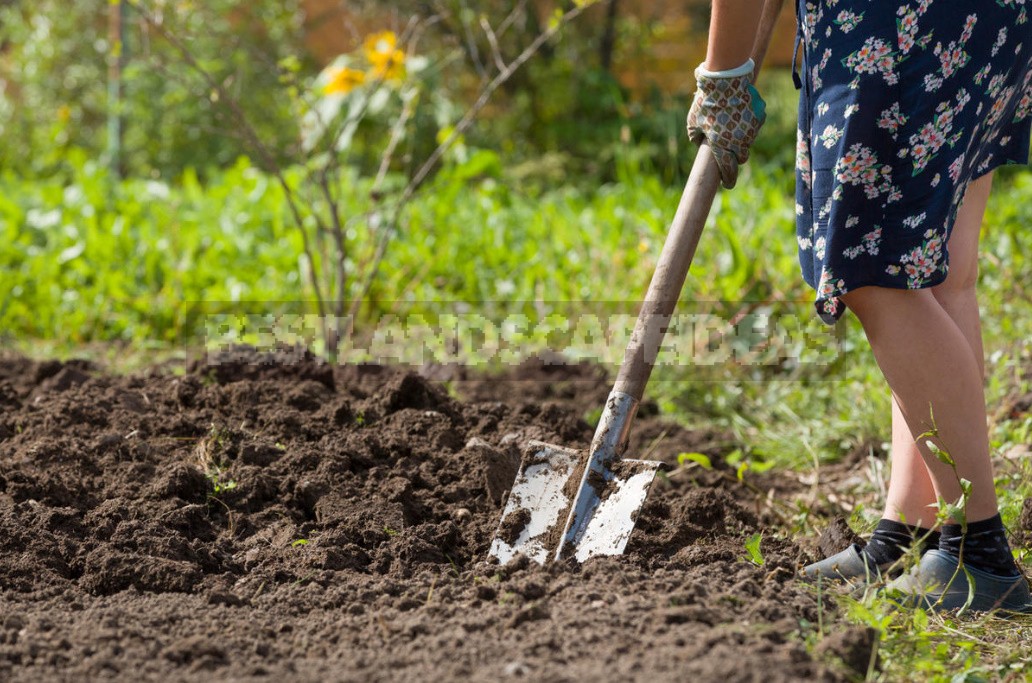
pixel 919 645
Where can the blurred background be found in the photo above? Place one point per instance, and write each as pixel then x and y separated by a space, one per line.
pixel 158 155
pixel 168 164
pixel 622 63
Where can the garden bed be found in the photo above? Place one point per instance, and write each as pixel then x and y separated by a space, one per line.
pixel 242 519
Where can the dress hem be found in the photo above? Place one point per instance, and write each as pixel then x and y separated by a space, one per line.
pixel 840 306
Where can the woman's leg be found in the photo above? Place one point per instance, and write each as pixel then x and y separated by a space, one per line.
pixel 912 496
pixel 932 370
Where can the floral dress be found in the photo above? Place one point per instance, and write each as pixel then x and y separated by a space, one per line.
pixel 902 105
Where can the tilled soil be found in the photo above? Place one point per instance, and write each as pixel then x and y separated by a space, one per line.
pixel 249 519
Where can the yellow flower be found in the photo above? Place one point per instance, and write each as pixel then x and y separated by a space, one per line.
pixel 386 60
pixel 384 41
pixel 343 81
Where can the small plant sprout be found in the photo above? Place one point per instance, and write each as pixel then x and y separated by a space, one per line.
pixel 955 512
pixel 209 454
pixel 700 459
pixel 752 549
pixel 218 485
pixel 299 542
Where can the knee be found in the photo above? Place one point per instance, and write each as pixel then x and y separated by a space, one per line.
pixel 872 304
pixel 961 279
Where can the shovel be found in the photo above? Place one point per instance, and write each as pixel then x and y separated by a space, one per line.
pixel 565 504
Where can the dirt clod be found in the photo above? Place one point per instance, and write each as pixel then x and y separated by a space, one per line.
pixel 854 646
pixel 499 465
pixel 514 525
pixel 837 537
pixel 1026 515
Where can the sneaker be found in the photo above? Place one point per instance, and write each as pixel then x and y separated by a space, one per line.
pixel 938 583
pixel 849 565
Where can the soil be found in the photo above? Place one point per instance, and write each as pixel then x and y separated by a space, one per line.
pixel 837 537
pixel 251 517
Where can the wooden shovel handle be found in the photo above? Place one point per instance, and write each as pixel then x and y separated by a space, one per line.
pixel 679 248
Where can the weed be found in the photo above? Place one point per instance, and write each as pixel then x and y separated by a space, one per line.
pixel 955 512
pixel 209 454
pixel 700 459
pixel 300 581
pixel 454 566
pixel 220 486
pixel 752 549
pixel 430 593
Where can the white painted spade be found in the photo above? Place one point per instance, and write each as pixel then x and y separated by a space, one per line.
pixel 564 504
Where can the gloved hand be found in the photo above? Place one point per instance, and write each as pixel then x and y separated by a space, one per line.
pixel 727 112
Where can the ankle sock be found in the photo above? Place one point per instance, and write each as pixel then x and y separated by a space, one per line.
pixel 891 540
pixel 984 546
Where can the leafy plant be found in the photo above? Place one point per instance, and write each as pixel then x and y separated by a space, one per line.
pixel 700 459
pixel 219 485
pixel 752 550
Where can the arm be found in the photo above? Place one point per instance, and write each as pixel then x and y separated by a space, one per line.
pixel 733 26
pixel 727 112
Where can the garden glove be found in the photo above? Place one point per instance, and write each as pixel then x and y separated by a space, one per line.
pixel 727 113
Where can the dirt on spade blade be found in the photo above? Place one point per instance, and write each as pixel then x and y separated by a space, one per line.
pixel 251 519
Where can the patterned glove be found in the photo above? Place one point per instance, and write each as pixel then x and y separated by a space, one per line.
pixel 727 112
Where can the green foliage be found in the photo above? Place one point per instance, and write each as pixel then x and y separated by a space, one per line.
pixel 53 83
pixel 220 486
pixel 93 259
pixel 919 645
pixel 700 459
pixel 752 550
pixel 88 258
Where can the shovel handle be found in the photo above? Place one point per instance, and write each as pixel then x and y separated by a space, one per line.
pixel 679 248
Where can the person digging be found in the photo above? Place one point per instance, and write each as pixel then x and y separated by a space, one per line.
pixel 896 149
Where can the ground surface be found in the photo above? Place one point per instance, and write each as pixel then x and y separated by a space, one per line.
pixel 295 521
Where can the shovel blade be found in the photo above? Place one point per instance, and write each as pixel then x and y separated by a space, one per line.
pixel 538 503
pixel 615 509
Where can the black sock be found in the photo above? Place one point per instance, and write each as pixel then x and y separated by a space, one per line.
pixel 984 546
pixel 891 540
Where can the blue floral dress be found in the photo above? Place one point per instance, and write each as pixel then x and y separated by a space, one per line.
pixel 902 105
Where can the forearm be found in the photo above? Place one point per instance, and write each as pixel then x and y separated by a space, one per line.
pixel 733 26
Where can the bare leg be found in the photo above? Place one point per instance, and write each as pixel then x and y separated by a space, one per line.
pixel 931 369
pixel 912 496
pixel 931 364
